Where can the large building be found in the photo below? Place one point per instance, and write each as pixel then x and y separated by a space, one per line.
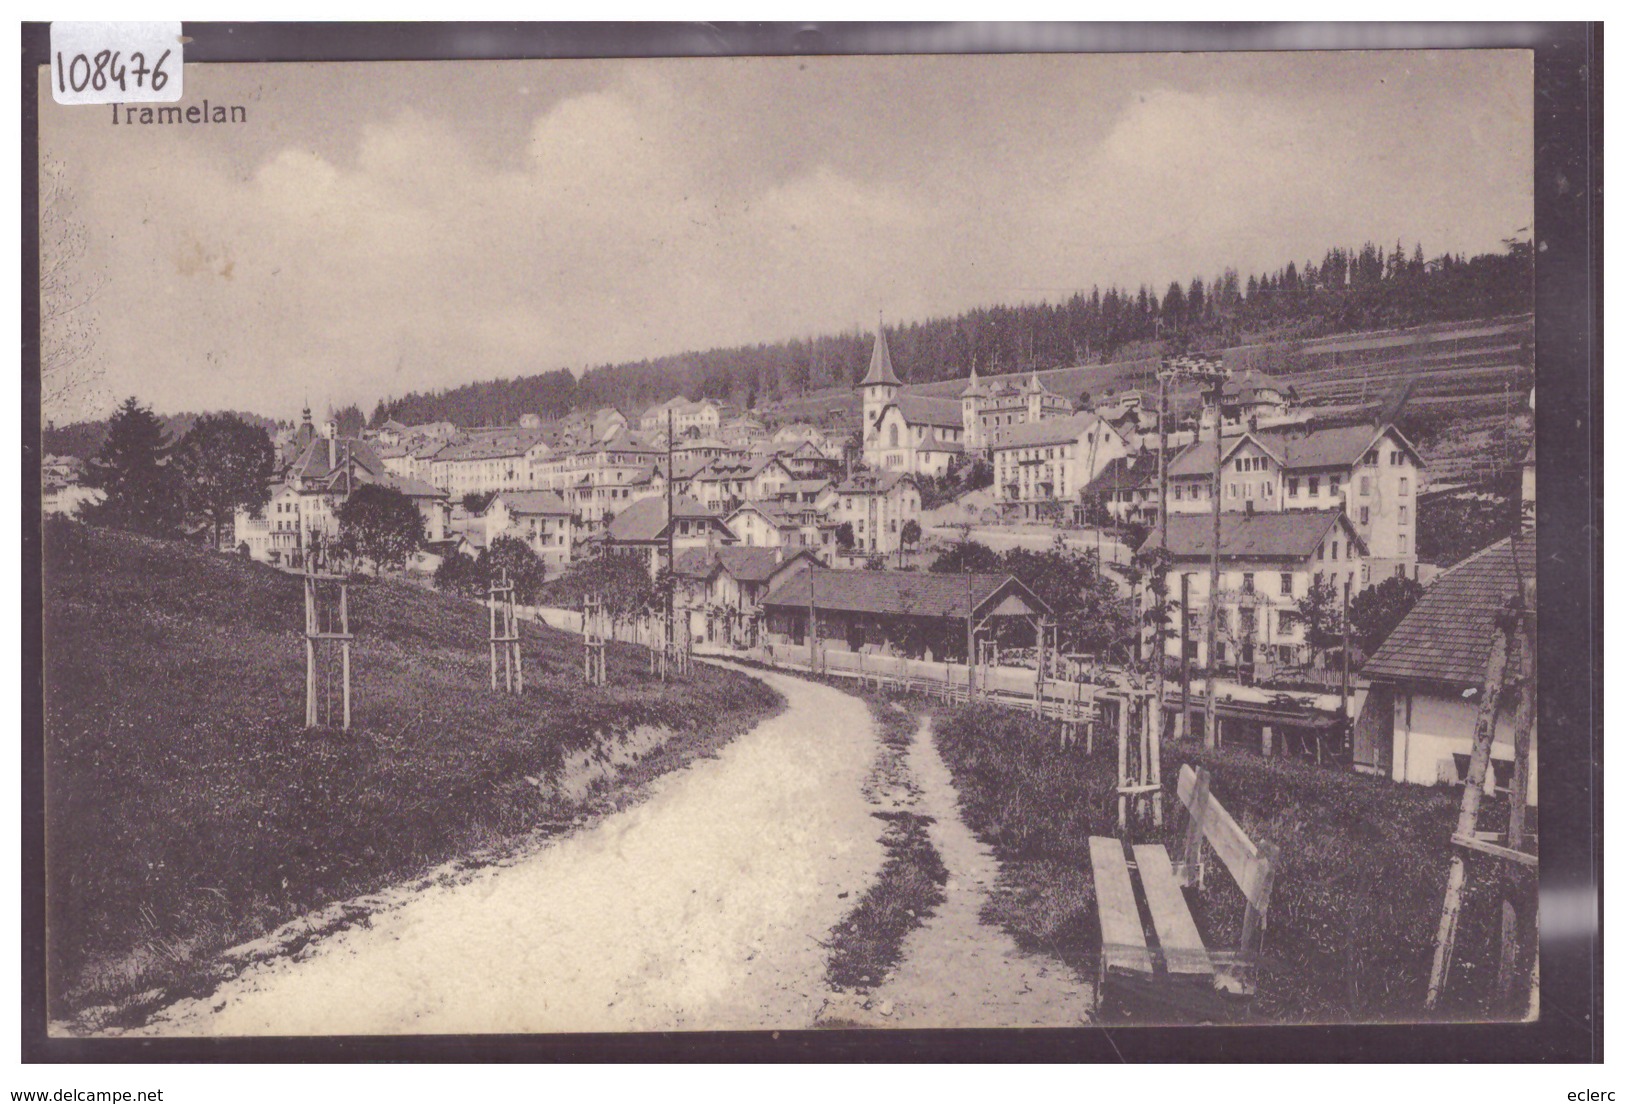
pixel 989 411
pixel 1371 472
pixel 542 519
pixel 1267 564
pixel 646 530
pixel 902 432
pixel 1040 468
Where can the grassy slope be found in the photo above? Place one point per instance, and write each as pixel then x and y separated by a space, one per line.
pixel 188 810
pixel 1356 902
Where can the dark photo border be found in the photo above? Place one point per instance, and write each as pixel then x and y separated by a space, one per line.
pixel 1568 329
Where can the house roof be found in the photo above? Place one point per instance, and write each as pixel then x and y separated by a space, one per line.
pixel 915 593
pixel 534 503
pixel 645 519
pixel 413 487
pixel 880 369
pixel 492 446
pixel 880 482
pixel 312 462
pixel 929 410
pixel 1046 431
pixel 1295 447
pixel 973 387
pixel 1289 536
pixel 1124 473
pixel 1446 636
pixel 748 565
pixel 772 511
pixel 803 486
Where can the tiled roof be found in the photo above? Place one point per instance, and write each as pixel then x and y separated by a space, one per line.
pixel 929 410
pixel 772 511
pixel 917 593
pixel 880 482
pixel 312 462
pixel 1289 536
pixel 1296 447
pixel 491 446
pixel 1124 473
pixel 539 503
pixel 748 565
pixel 1446 636
pixel 645 519
pixel 1046 431
pixel 413 487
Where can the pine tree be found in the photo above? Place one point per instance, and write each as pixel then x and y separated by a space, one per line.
pixel 134 472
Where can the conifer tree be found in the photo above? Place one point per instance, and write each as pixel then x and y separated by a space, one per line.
pixel 134 472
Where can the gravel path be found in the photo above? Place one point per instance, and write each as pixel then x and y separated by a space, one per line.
pixel 700 908
pixel 957 971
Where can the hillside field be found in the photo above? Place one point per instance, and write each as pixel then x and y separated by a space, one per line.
pixel 187 809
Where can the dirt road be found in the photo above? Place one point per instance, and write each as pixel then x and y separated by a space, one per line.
pixel 699 909
pixel 956 970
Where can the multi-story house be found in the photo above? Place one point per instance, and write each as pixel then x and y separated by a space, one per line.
pixel 541 519
pixel 724 484
pixel 742 432
pixel 1371 472
pixel 987 411
pixel 499 461
pixel 642 530
pixel 1267 564
pixel 1040 468
pixel 877 505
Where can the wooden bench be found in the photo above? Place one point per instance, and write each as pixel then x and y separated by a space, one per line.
pixel 1184 956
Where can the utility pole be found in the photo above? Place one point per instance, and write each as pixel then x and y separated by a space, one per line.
pixel 1184 656
pixel 1162 541
pixel 1205 369
pixel 671 545
pixel 1209 735
pixel 1344 699
pixel 812 618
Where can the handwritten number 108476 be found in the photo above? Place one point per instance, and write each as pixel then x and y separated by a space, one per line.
pixel 106 68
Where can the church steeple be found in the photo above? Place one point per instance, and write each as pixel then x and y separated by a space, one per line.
pixel 880 369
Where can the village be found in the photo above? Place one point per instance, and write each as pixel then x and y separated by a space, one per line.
pixel 772 585
pixel 760 527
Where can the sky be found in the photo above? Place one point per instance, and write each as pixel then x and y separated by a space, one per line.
pixel 379 228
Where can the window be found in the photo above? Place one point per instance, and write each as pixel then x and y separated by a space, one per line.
pixel 1292 487
pixel 1365 484
pixel 1231 488
pixel 1286 584
pixel 1399 571
pixel 1179 492
pixel 1365 573
pixel 1335 482
pixel 1269 489
pixel 1247 582
pixel 1320 554
pixel 894 435
pixel 1365 515
pixel 1393 459
pixel 1404 515
pixel 1334 550
pixel 1404 485
pixel 1314 486
pixel 1404 544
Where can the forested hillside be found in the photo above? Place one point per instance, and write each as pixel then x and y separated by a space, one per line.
pixel 1347 291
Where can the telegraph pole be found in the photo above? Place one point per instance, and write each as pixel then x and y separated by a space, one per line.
pixel 671 531
pixel 1210 735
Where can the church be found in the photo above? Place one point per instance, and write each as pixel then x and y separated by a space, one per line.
pixel 921 434
pixel 917 434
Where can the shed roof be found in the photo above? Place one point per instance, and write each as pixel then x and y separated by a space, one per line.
pixel 1446 636
pixel 912 593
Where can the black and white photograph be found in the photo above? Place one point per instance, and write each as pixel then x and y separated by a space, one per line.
pixel 773 543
